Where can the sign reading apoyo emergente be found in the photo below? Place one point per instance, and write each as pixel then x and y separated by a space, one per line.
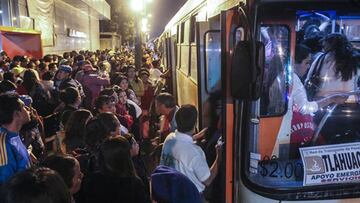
pixel 331 164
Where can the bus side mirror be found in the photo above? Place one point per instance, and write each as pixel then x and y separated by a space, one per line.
pixel 246 80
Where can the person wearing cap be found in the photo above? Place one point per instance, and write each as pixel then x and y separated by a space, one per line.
pixel 16 68
pixel 62 74
pixel 30 132
pixel 93 83
pixel 26 99
pixel 13 115
pixel 64 77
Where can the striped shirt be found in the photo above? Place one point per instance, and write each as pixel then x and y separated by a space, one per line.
pixel 13 155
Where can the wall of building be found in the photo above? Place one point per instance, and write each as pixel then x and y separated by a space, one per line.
pixel 94 33
pixel 109 40
pixel 54 18
pixel 67 17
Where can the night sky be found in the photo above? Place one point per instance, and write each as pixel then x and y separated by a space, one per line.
pixel 163 11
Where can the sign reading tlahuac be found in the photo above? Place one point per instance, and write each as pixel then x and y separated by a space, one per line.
pixel 331 164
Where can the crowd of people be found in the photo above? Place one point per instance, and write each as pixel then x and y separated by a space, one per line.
pixel 89 127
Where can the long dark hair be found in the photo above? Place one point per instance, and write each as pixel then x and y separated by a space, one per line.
pixel 30 80
pixel 62 164
pixel 74 128
pixel 99 128
pixel 342 49
pixel 115 159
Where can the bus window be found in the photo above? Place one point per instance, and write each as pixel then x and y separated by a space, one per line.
pixel 193 63
pixel 185 47
pixel 182 28
pixel 192 29
pixel 193 50
pixel 277 56
pixel 213 61
pixel 351 28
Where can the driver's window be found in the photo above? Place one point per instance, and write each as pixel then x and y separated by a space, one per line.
pixel 277 52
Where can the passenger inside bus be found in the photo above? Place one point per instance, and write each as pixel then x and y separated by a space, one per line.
pixel 335 70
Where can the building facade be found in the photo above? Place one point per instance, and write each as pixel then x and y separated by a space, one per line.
pixel 65 25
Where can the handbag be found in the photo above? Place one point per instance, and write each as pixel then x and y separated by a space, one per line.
pixel 312 86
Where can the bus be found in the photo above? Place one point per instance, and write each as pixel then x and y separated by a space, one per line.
pixel 235 60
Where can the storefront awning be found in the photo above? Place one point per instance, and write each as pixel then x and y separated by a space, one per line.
pixel 16 41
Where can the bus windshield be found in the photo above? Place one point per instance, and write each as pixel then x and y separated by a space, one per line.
pixel 308 133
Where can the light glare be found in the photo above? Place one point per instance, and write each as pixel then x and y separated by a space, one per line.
pixel 137 5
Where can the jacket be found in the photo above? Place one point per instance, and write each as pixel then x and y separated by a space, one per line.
pixel 13 155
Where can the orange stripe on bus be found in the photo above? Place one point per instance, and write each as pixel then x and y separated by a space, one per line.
pixel 268 131
pixel 229 151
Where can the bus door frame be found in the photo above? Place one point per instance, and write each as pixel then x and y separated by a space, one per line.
pixel 201 29
pixel 229 23
pixel 173 61
pixel 269 126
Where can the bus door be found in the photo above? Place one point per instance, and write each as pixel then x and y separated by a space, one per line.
pixel 208 63
pixel 231 29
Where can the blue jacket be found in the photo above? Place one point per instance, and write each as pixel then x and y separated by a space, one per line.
pixel 169 185
pixel 13 155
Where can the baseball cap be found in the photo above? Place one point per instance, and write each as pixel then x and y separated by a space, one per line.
pixel 26 99
pixel 65 68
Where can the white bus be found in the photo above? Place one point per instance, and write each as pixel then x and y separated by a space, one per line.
pixel 235 60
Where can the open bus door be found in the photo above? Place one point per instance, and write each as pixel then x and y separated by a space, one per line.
pixel 206 51
pixel 20 42
pixel 229 25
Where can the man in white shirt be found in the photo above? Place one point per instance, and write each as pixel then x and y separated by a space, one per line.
pixel 180 152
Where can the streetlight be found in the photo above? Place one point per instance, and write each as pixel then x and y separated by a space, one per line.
pixel 139 6
pixel 144 23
